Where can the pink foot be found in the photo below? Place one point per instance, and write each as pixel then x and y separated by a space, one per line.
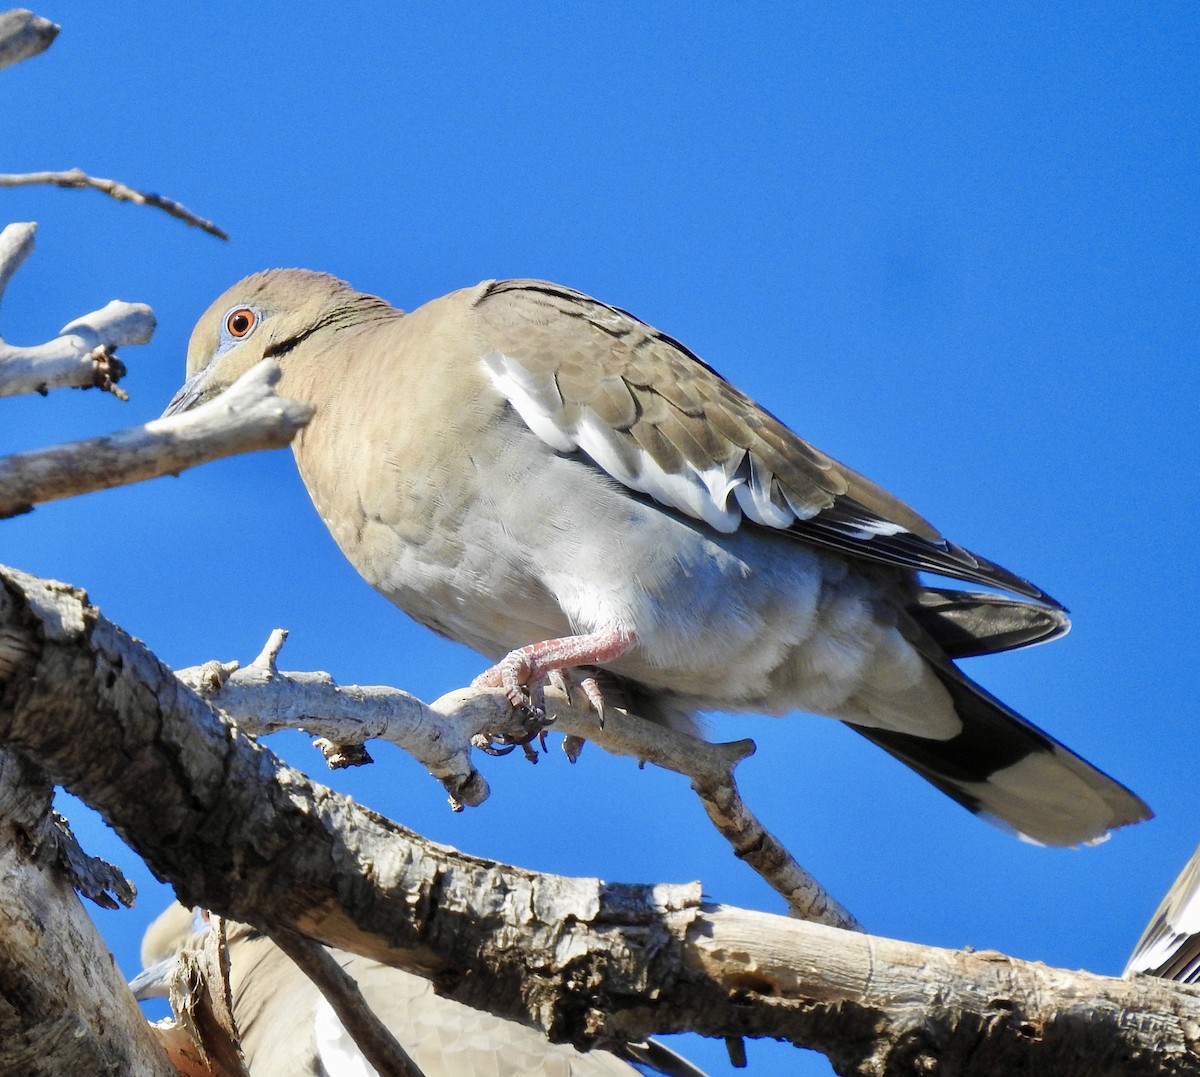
pixel 521 672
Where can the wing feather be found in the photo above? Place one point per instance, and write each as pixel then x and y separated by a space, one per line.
pixel 590 377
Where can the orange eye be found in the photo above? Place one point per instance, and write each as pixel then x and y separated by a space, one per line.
pixel 240 322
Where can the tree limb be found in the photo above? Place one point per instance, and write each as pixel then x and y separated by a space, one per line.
pixel 202 1037
pixel 63 1005
pixel 81 356
pixel 77 179
pixel 247 417
pixel 372 1037
pixel 16 244
pixel 590 962
pixel 441 737
pixel 23 35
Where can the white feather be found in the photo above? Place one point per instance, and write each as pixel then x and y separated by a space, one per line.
pixel 339 1055
pixel 702 494
pixel 753 494
pixel 513 382
pixel 883 528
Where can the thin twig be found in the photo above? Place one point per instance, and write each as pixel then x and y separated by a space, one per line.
pixel 78 179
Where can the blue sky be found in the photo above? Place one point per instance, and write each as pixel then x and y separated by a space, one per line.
pixel 953 246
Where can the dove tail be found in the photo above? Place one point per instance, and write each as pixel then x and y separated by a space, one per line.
pixel 1011 773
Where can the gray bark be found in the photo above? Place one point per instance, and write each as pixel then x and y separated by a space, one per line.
pixel 64 1007
pixel 590 962
pixel 22 35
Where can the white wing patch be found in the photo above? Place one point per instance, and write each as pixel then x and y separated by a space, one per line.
pixel 339 1054
pixel 1175 924
pixel 538 402
pixel 702 493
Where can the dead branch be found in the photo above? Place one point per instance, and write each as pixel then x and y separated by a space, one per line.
pixel 16 244
pixel 442 736
pixel 63 1005
pixel 247 417
pixel 201 1039
pixel 23 35
pixel 590 962
pixel 81 356
pixel 79 180
pixel 372 1037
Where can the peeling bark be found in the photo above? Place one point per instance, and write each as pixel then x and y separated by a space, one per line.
pixel 64 1007
pixel 443 735
pixel 590 962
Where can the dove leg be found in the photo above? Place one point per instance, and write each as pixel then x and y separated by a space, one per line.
pixel 520 672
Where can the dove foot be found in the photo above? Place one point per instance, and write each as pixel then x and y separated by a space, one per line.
pixel 522 673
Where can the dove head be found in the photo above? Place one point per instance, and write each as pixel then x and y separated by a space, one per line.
pixel 267 315
pixel 175 928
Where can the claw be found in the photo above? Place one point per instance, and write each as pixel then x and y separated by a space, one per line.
pixel 506 743
pixel 522 673
pixel 591 689
pixel 495 748
pixel 514 673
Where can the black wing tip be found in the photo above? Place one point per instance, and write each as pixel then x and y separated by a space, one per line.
pixel 967 624
pixel 994 575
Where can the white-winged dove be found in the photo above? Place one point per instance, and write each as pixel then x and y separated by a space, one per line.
pixel 286 1028
pixel 1170 945
pixel 558 485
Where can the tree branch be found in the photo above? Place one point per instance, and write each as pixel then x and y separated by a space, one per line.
pixel 63 1005
pixel 16 244
pixel 441 737
pixel 590 962
pixel 372 1037
pixel 23 35
pixel 79 180
pixel 201 1039
pixel 247 417
pixel 81 356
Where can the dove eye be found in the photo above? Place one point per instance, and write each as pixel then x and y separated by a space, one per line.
pixel 239 322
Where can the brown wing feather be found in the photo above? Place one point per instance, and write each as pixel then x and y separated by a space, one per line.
pixel 652 390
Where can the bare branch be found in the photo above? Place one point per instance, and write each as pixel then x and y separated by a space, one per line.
pixel 16 244
pixel 78 179
pixel 82 354
pixel 237 831
pixel 23 35
pixel 372 1037
pixel 247 417
pixel 441 736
